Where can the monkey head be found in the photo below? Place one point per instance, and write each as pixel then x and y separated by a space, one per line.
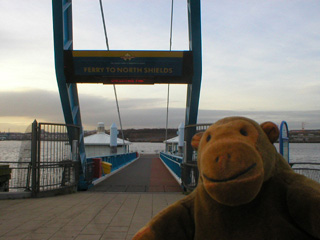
pixel 235 157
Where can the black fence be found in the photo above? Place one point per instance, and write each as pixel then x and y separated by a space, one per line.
pixel 15 173
pixel 55 158
pixel 189 169
pixel 308 169
pixel 48 162
pixel 190 173
pixel 14 176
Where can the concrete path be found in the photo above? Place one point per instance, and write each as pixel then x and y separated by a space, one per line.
pixel 147 174
pixel 107 211
pixel 81 216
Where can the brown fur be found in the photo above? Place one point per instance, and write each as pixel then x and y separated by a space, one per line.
pixel 246 190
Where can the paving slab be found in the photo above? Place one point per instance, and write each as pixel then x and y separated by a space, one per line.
pixel 116 208
pixel 82 215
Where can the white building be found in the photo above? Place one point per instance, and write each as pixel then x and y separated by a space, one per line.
pixel 172 145
pixel 98 144
pixel 175 145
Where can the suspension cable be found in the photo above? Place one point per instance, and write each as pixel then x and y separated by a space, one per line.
pixel 171 24
pixel 166 136
pixel 114 86
pixel 104 25
pixel 115 94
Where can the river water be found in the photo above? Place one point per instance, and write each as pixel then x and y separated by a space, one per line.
pixel 299 152
pixel 12 151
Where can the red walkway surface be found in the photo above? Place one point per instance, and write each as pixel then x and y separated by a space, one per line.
pixel 147 174
pixel 161 179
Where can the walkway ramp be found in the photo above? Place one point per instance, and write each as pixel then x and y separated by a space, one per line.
pixel 147 174
pixel 83 215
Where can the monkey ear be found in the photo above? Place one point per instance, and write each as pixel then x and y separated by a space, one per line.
pixel 196 140
pixel 271 130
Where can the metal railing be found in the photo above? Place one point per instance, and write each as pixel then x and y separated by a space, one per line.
pixel 117 160
pixel 308 169
pixel 201 127
pixel 18 177
pixel 173 163
pixel 55 157
pixel 189 168
pixel 15 175
pixel 190 175
pixel 48 161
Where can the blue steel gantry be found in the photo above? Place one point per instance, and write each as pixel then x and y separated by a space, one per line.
pixel 186 68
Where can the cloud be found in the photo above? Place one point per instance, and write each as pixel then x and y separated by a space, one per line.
pixel 263 51
pixel 19 106
pixel 129 25
pixel 293 118
pixel 261 56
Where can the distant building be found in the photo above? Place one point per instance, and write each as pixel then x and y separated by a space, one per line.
pixel 175 145
pixel 304 136
pixel 172 145
pixel 99 144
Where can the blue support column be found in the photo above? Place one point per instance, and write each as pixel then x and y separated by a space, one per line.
pixel 62 24
pixel 62 29
pixel 61 33
pixel 193 94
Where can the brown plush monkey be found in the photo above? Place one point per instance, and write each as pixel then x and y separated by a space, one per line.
pixel 246 190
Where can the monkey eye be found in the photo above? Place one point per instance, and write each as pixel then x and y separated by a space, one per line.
pixel 243 132
pixel 208 138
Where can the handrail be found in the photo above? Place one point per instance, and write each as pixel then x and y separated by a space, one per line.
pixel 117 160
pixel 199 127
pixel 173 163
pixel 311 163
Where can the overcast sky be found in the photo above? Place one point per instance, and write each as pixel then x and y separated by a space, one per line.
pixel 261 59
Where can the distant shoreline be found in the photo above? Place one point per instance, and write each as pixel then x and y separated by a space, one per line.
pixel 157 135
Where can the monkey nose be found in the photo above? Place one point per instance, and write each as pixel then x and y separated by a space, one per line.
pixel 223 157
